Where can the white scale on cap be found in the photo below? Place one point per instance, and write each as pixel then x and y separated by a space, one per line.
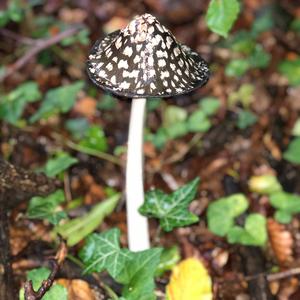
pixel 144 59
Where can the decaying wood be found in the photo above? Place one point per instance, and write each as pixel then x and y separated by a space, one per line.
pixel 19 185
pixel 16 185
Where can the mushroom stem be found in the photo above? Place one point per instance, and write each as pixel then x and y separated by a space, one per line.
pixel 138 232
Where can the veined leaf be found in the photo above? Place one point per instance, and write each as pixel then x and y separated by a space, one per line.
pixel 171 210
pixel 47 207
pixel 103 252
pixel 138 275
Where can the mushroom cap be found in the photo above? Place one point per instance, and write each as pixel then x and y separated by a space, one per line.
pixel 145 60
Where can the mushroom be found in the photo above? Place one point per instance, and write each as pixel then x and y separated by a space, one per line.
pixel 140 61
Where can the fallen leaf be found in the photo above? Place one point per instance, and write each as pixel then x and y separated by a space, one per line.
pixel 77 289
pixel 190 280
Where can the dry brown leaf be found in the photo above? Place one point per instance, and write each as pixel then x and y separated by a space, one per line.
pixel 86 107
pixel 281 241
pixel 77 289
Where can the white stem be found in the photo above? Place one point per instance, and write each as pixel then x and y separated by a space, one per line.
pixel 138 232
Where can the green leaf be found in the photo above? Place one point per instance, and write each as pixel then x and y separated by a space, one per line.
pixel 172 115
pixel 283 217
pixel 259 58
pixel 295 25
pixel 291 70
pixel 103 252
pixel 94 138
pixel 77 229
pixel 81 37
pixel 245 119
pixel 13 104
pixel 159 138
pixel 209 105
pixel 176 130
pixel 58 100
pixel 221 15
pixel 153 104
pixel 243 95
pixel 47 207
pixel 264 184
pixel 241 42
pixel 37 276
pixel 296 128
pixel 138 275
pixel 198 121
pixel 107 103
pixel 221 213
pixel 171 210
pixel 286 205
pixel 77 127
pixel 253 234
pixel 293 151
pixel 237 67
pixel 59 163
pixel 263 22
pixel 168 259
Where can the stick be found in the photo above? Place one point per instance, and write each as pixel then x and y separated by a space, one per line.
pixel 30 294
pixel 38 46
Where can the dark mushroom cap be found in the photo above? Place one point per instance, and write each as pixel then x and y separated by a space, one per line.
pixel 145 60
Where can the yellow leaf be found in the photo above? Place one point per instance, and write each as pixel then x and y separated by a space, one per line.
pixel 190 281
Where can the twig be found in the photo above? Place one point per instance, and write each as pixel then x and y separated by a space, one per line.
pixel 38 46
pixel 21 39
pixel 30 294
pixel 96 153
pixel 276 276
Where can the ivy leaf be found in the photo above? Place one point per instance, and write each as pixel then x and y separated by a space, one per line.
pixel 37 276
pixel 221 15
pixel 13 104
pixel 138 275
pixel 286 204
pixel 58 164
pixel 58 100
pixel 103 252
pixel 221 213
pixel 293 150
pixel 47 207
pixel 171 210
pixel 253 234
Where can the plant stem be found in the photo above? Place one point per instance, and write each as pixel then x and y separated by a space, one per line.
pixel 138 232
